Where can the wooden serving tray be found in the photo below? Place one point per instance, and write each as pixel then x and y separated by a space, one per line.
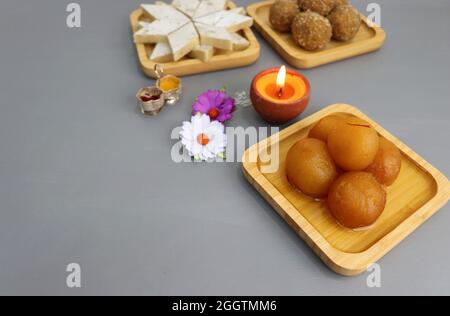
pixel 369 38
pixel 189 66
pixel 419 192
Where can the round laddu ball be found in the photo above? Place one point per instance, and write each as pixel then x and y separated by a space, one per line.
pixel 345 21
pixel 356 200
pixel 387 164
pixel 311 31
pixel 322 129
pixel 309 167
pixel 341 2
pixel 282 13
pixel 322 7
pixel 354 145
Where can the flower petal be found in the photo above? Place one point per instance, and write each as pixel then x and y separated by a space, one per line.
pixel 220 97
pixel 205 121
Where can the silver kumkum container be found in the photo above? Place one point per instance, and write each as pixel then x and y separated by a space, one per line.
pixel 151 100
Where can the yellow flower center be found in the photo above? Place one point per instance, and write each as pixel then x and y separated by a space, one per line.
pixel 213 113
pixel 203 139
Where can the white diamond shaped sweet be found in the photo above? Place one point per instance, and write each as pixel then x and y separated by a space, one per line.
pixel 187 7
pixel 207 7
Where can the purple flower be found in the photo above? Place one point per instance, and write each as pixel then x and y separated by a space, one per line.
pixel 215 103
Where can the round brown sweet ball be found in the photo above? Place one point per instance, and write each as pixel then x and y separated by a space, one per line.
pixel 309 167
pixel 311 30
pixel 325 126
pixel 345 21
pixel 322 7
pixel 282 13
pixel 353 145
pixel 341 2
pixel 387 164
pixel 356 199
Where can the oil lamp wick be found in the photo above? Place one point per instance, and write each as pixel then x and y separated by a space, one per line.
pixel 280 92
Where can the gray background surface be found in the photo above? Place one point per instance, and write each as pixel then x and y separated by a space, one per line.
pixel 85 178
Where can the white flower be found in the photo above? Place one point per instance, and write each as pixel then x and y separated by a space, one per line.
pixel 203 139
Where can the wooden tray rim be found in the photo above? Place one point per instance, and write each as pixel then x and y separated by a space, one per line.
pixel 247 56
pixel 341 262
pixel 326 56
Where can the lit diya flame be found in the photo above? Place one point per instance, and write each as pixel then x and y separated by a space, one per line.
pixel 281 80
pixel 276 87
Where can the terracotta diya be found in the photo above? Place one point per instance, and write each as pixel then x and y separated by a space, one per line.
pixel 279 94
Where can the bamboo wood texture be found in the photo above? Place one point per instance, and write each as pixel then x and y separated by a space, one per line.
pixel 189 66
pixel 419 192
pixel 369 38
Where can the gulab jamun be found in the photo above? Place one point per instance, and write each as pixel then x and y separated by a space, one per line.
pixel 282 13
pixel 353 145
pixel 325 126
pixel 311 31
pixel 345 21
pixel 322 7
pixel 309 167
pixel 387 164
pixel 356 199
